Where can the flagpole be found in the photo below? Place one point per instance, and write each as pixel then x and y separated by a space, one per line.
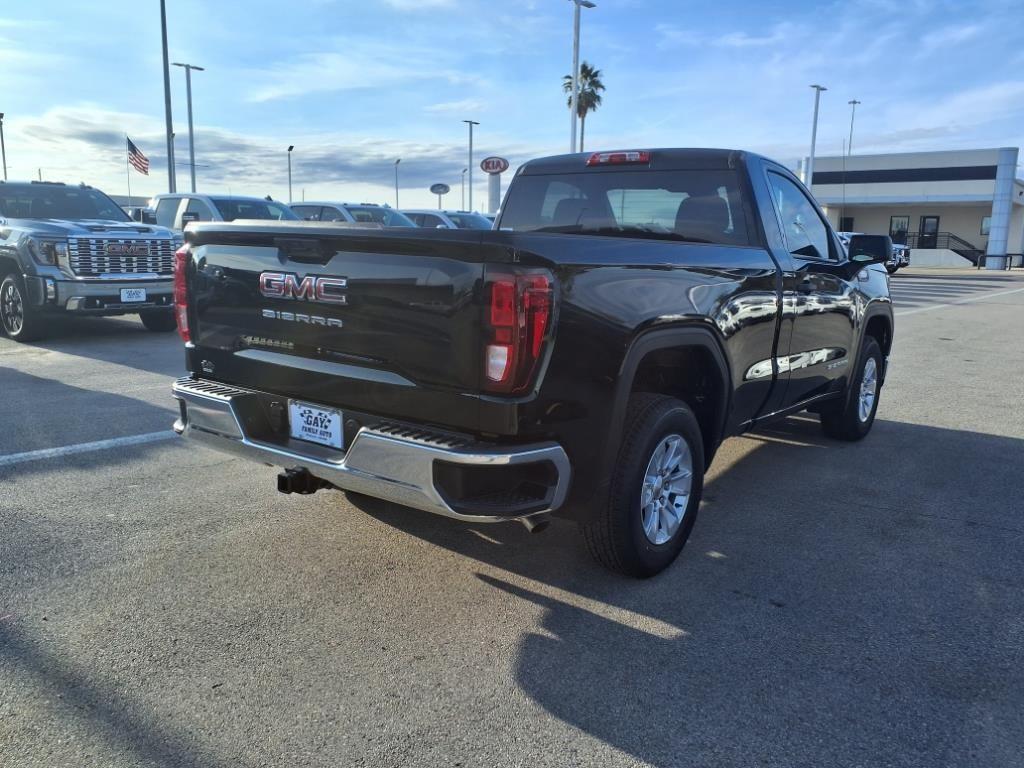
pixel 128 170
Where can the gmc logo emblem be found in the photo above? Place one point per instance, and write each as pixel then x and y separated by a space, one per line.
pixel 127 249
pixel 283 285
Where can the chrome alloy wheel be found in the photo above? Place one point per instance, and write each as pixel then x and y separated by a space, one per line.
pixel 12 309
pixel 868 389
pixel 666 488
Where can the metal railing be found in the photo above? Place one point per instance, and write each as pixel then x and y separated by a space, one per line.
pixel 961 247
pixel 948 241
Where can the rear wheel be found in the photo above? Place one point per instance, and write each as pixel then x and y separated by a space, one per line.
pixel 158 320
pixel 655 489
pixel 852 419
pixel 18 318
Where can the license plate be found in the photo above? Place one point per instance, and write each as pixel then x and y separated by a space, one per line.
pixel 130 295
pixel 315 424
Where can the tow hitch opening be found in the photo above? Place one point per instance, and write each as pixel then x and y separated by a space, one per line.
pixel 299 481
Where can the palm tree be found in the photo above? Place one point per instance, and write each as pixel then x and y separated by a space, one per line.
pixel 589 98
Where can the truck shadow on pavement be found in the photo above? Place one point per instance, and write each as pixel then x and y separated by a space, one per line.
pixel 837 604
pixel 44 413
pixel 142 735
pixel 115 340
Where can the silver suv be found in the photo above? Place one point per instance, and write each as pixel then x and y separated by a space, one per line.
pixel 72 250
pixel 431 219
pixel 177 209
pixel 352 213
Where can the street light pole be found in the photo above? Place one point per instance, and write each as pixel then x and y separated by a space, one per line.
pixel 853 111
pixel 396 181
pixel 576 66
pixel 290 148
pixel 809 172
pixel 470 166
pixel 3 149
pixel 171 186
pixel 464 188
pixel 191 134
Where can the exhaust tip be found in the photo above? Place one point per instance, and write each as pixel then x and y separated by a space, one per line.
pixel 536 523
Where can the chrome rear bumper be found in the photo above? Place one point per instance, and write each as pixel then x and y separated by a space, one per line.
pixel 385 462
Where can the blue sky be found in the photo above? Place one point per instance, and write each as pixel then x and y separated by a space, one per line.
pixel 354 85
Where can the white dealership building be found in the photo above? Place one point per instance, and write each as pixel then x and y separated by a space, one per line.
pixel 953 208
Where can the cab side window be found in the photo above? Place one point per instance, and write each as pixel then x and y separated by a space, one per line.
pixel 201 209
pixel 307 212
pixel 166 211
pixel 806 234
pixel 332 214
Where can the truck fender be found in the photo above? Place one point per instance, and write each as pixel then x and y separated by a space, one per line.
pixel 874 309
pixel 669 338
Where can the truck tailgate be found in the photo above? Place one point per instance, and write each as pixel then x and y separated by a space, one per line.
pixel 375 321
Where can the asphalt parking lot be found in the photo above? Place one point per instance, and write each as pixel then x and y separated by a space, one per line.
pixel 837 605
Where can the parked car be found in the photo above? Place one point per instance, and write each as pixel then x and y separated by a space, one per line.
pixel 431 219
pixel 586 359
pixel 354 213
pixel 900 253
pixel 71 250
pixel 178 209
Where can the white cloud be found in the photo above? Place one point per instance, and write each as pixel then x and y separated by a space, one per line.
pixel 354 66
pixel 780 33
pixel 464 106
pixel 85 142
pixel 947 38
pixel 416 5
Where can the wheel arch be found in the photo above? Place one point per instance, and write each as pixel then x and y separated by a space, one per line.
pixel 686 362
pixel 9 264
pixel 878 325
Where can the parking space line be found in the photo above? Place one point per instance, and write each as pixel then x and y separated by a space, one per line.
pixel 961 301
pixel 97 445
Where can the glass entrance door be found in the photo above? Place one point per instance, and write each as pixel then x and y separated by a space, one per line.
pixel 928 236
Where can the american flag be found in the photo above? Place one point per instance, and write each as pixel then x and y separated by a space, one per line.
pixel 138 160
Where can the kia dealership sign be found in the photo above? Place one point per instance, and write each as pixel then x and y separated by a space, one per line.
pixel 494 165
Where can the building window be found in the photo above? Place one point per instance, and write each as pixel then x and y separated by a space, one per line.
pixel 898 228
pixel 986 222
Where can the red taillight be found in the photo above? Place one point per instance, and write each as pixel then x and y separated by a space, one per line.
pixel 519 314
pixel 181 257
pixel 620 158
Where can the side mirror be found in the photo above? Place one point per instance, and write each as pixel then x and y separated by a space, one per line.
pixel 187 217
pixel 440 226
pixel 143 215
pixel 869 249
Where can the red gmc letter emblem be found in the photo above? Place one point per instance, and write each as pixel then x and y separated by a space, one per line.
pixel 284 285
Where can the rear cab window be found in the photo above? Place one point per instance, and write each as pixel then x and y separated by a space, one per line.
pixel 698 205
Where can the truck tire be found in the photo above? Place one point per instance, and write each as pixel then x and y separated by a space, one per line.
pixel 654 490
pixel 158 320
pixel 891 270
pixel 19 320
pixel 852 419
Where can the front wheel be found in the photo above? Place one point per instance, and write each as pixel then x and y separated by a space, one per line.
pixel 891 270
pixel 852 419
pixel 158 320
pixel 18 318
pixel 655 489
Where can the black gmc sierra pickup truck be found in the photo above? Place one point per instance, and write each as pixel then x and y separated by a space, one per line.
pixel 630 311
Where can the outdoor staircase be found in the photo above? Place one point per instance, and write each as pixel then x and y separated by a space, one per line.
pixel 949 241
